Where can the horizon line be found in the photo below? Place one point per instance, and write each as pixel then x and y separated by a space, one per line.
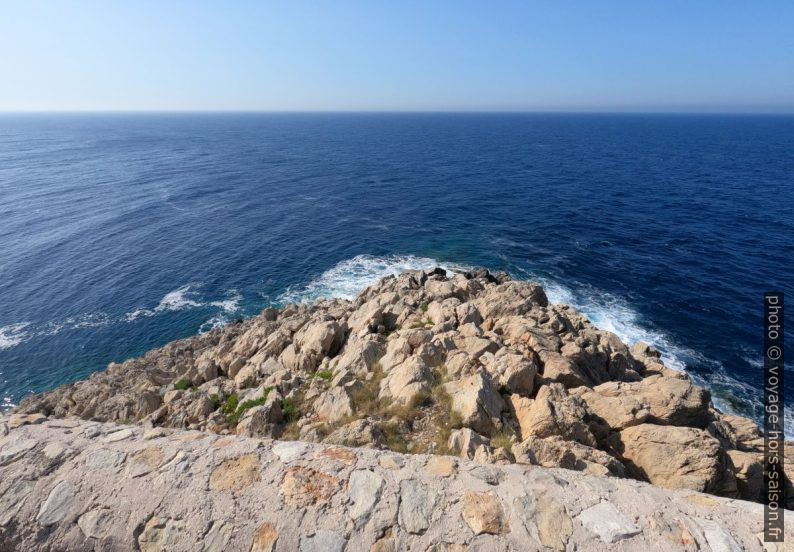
pixel 384 111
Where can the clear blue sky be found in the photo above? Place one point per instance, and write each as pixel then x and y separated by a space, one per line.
pixel 594 55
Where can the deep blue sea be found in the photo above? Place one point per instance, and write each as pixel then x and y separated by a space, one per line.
pixel 119 233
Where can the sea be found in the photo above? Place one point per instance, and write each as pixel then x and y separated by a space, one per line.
pixel 121 232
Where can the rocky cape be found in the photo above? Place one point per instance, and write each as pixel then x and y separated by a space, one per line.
pixel 472 365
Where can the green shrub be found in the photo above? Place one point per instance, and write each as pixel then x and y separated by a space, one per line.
pixel 231 404
pixel 326 375
pixel 216 401
pixel 235 411
pixel 423 307
pixel 289 410
pixel 183 384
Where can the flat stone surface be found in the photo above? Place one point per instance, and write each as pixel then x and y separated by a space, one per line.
pixel 58 503
pixel 364 490
pixel 483 513
pixel 608 523
pixel 417 501
pixel 323 541
pixel 119 435
pixel 105 458
pixel 241 496
pixel 96 523
pixel 289 451
pixel 15 450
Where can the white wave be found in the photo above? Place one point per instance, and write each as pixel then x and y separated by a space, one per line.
pixel 175 300
pixel 230 305
pixel 212 323
pixel 13 334
pixel 349 277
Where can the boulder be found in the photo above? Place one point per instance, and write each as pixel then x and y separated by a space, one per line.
pixel 553 412
pixel 554 452
pixel 465 442
pixel 513 372
pixel 477 401
pixel 655 399
pixel 406 381
pixel 676 457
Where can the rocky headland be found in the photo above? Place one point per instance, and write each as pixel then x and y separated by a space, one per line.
pixel 472 398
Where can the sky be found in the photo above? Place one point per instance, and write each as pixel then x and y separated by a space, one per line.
pixel 430 55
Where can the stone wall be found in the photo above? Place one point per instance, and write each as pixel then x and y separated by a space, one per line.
pixel 68 484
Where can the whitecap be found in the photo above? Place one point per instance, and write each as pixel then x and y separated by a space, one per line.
pixel 13 334
pixel 177 300
pixel 230 305
pixel 348 278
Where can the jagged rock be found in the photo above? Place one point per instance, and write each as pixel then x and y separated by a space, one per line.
pixel 334 404
pixel 655 399
pixel 478 403
pixel 17 420
pixel 557 368
pixel 411 358
pixel 359 433
pixel 556 452
pixel 260 421
pixel 406 380
pixel 513 372
pixel 749 469
pixel 676 457
pixel 465 442
pixel 553 412
pixel 737 433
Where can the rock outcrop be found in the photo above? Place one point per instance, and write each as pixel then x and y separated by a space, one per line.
pixel 69 484
pixel 472 364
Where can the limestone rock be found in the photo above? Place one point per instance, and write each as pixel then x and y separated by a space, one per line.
pixel 553 412
pixel 406 380
pixel 608 523
pixel 323 541
pixel 265 538
pixel 676 457
pixel 235 474
pixel 58 504
pixel 484 514
pixel 513 372
pixel 417 502
pixel 477 401
pixel 161 534
pixel 302 487
pixel 364 489
pixel 96 524
pixel 655 399
pixel 555 452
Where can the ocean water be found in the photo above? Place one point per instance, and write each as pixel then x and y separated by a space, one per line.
pixel 119 233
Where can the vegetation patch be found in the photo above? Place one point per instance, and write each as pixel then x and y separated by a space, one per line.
pixel 234 411
pixel 183 385
pixel 326 375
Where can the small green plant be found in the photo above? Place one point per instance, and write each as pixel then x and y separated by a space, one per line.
pixel 234 411
pixel 289 410
pixel 215 400
pixel 231 404
pixel 423 307
pixel 183 384
pixel 326 375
